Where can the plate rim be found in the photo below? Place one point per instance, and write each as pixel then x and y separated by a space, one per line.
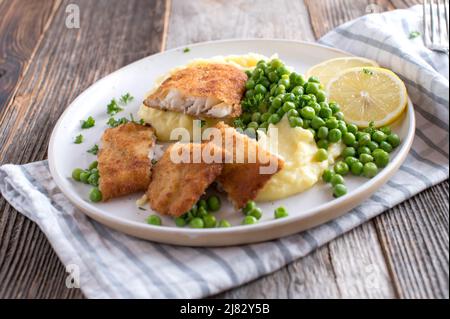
pixel 369 188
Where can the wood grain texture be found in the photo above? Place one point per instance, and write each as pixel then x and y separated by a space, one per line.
pixel 111 34
pixel 20 36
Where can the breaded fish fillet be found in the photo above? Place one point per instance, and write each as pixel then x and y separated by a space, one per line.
pixel 177 186
pixel 123 162
pixel 206 90
pixel 247 166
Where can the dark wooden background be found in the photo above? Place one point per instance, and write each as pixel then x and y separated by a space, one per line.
pixel 44 65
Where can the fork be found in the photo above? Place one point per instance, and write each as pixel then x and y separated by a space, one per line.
pixel 435 25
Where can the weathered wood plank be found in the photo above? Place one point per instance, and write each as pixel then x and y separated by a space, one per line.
pixel 66 62
pixel 336 270
pixel 20 36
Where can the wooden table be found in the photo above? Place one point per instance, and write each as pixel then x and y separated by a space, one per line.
pixel 44 65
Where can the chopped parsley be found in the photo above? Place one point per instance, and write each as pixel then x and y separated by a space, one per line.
pixel 78 139
pixel 90 122
pixel 126 98
pixel 112 122
pixel 414 34
pixel 93 150
pixel 367 71
pixel 113 107
pixel 186 50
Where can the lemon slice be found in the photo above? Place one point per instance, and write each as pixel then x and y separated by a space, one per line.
pixel 327 70
pixel 367 94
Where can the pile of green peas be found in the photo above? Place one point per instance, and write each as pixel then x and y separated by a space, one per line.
pixel 89 176
pixel 253 213
pixel 272 91
pixel 365 153
pixel 199 216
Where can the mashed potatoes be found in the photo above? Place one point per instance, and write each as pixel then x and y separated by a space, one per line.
pixel 301 171
pixel 165 121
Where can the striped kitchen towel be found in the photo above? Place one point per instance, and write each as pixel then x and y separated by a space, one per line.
pixel 113 265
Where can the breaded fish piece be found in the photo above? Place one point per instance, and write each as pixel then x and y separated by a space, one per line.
pixel 247 166
pixel 176 186
pixel 123 162
pixel 211 90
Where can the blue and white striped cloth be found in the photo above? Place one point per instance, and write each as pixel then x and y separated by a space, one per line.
pixel 114 265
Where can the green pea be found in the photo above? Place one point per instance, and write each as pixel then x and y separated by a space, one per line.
pixel 352 128
pixel 276 63
pixel 277 102
pixel 292 113
pixel 339 115
pixel 372 145
pixel 249 94
pixel 393 139
pixel 381 158
pixel 280 212
pixel 349 139
pixel 282 70
pixel 93 179
pixel 260 89
pixel 364 150
pixel 253 125
pixel 76 174
pixel 296 79
pixel 202 203
pixel 249 73
pixel 315 106
pixel 295 121
pixel 273 77
pixel 314 79
pixel 325 112
pixel 327 175
pixel 317 122
pixel 288 106
pixel 322 143
pixel 154 220
pixel 250 84
pixel 321 155
pixel 280 112
pixel 246 118
pixel 249 220
pixel 348 151
pixel 350 160
pixel 386 130
pixel 385 146
pixel 337 179
pixel 370 169
pixel 378 136
pixel 84 176
pixel 202 211
pixel 297 91
pixel 334 135
pixel 265 117
pixel 256 117
pixel 255 212
pixel 197 222
pixel 95 195
pixel 312 88
pixel 93 165
pixel 209 221
pixel 284 82
pixel 356 168
pixel 334 107
pixel 322 132
pixel 248 207
pixel 365 158
pixel 339 190
pixel 363 139
pixel 321 96
pixel 341 168
pixel 264 82
pixel 307 113
pixel 224 223
pixel 281 89
pixel 213 203
pixel 332 123
pixel 180 221
pixel 306 124
pixel 342 126
pixel 274 119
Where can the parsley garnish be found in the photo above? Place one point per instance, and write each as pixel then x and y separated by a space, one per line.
pixel 367 71
pixel 78 139
pixel 186 50
pixel 112 122
pixel 93 150
pixel 126 98
pixel 90 122
pixel 414 34
pixel 113 108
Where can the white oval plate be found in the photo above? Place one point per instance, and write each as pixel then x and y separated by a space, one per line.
pixel 306 210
